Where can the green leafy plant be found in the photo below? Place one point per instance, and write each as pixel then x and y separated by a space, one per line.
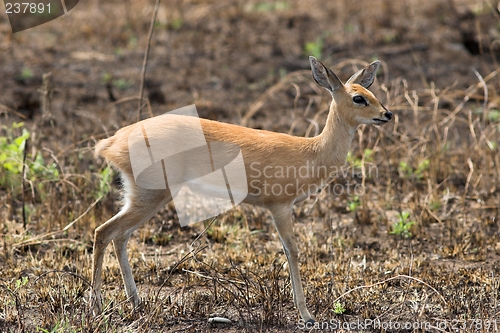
pixel 402 227
pixel 176 23
pixel 357 162
pixel 271 6
pixel 162 238
pixel 314 48
pixel 11 155
pixel 122 84
pixel 21 283
pixel 338 308
pixel 61 326
pixel 106 78
pixel 105 178
pixel 406 170
pixel 494 115
pixel 26 73
pixel 12 148
pixel 435 205
pixel 354 203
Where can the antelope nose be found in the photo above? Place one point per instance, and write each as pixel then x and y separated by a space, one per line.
pixel 388 115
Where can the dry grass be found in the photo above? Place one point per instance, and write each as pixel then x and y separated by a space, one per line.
pixel 244 63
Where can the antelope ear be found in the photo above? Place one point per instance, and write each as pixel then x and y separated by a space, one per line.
pixel 324 76
pixel 366 76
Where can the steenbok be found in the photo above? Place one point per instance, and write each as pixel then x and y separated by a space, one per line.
pixel 262 153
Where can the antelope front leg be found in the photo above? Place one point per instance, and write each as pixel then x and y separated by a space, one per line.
pixel 102 237
pixel 283 222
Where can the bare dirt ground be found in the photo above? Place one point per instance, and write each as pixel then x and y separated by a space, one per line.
pixel 418 245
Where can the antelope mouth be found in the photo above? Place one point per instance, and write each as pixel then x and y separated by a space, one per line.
pixel 379 121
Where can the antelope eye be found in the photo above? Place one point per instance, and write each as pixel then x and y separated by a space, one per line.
pixel 359 100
